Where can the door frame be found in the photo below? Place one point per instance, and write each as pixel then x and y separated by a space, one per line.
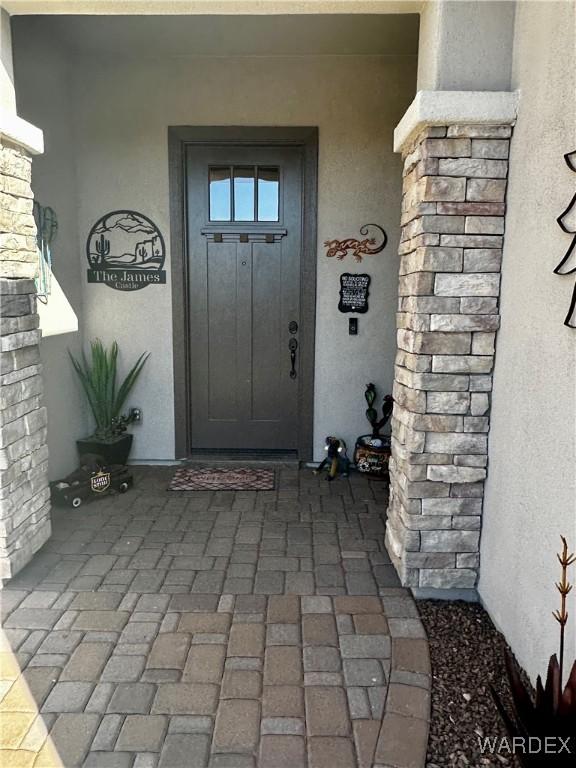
pixel 179 137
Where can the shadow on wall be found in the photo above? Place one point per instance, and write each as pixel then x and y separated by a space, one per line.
pixel 67 415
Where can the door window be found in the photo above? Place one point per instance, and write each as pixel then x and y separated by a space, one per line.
pixel 268 194
pixel 244 196
pixel 244 193
pixel 220 194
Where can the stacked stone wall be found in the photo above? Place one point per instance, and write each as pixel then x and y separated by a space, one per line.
pixel 451 253
pixel 24 490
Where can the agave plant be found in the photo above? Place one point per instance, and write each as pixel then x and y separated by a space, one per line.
pixel 98 379
pixel 551 715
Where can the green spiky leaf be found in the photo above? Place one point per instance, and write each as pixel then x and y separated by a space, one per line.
pixel 98 378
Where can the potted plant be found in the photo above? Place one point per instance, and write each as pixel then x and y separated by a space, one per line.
pixel 372 451
pixel 98 379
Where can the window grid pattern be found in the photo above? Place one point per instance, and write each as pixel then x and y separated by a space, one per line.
pixel 244 193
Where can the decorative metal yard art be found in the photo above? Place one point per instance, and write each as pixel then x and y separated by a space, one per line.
pixel 372 452
pixel 94 478
pixel 551 718
pixel 372 414
pixel 46 229
pixel 567 223
pixel 125 251
pixel 359 248
pixel 336 459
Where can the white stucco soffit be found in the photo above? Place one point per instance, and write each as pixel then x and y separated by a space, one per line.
pixel 455 108
pixel 19 132
pixel 201 7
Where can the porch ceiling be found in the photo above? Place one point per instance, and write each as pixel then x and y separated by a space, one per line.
pixel 203 7
pixel 285 35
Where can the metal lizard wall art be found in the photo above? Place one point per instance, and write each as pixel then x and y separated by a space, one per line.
pixel 567 223
pixel 359 248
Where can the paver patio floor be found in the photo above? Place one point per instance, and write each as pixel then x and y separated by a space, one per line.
pixel 231 630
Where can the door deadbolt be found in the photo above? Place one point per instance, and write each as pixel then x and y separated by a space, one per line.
pixel 293 327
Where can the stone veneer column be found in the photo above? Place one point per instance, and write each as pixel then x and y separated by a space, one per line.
pixel 24 490
pixel 451 251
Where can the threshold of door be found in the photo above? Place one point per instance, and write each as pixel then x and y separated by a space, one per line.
pixel 229 456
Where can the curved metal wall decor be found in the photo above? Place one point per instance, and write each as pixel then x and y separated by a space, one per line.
pixel 569 227
pixel 570 158
pixel 359 248
pixel 126 251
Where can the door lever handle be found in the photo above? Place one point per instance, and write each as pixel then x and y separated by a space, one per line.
pixel 293 346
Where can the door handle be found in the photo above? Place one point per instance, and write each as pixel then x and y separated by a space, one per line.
pixel 293 346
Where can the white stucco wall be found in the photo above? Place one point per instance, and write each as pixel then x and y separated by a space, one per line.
pixel 531 492
pixel 465 46
pixel 122 110
pixel 7 95
pixel 44 99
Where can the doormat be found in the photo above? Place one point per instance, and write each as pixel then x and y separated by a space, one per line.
pixel 239 479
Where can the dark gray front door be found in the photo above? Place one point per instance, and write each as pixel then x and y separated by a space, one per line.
pixel 244 219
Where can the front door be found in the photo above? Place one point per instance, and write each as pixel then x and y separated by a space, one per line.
pixel 244 224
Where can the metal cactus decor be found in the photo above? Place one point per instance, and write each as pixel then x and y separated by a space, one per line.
pixel 102 248
pixel 372 452
pixel 371 413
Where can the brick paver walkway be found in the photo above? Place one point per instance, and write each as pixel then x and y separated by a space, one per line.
pixel 229 630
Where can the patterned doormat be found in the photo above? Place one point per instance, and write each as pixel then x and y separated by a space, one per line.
pixel 210 479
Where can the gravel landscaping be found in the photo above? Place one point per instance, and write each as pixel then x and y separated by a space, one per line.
pixel 467 655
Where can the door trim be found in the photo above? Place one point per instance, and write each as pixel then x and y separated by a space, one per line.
pixel 179 137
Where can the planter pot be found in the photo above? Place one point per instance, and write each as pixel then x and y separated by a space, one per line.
pixel 114 451
pixel 372 459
